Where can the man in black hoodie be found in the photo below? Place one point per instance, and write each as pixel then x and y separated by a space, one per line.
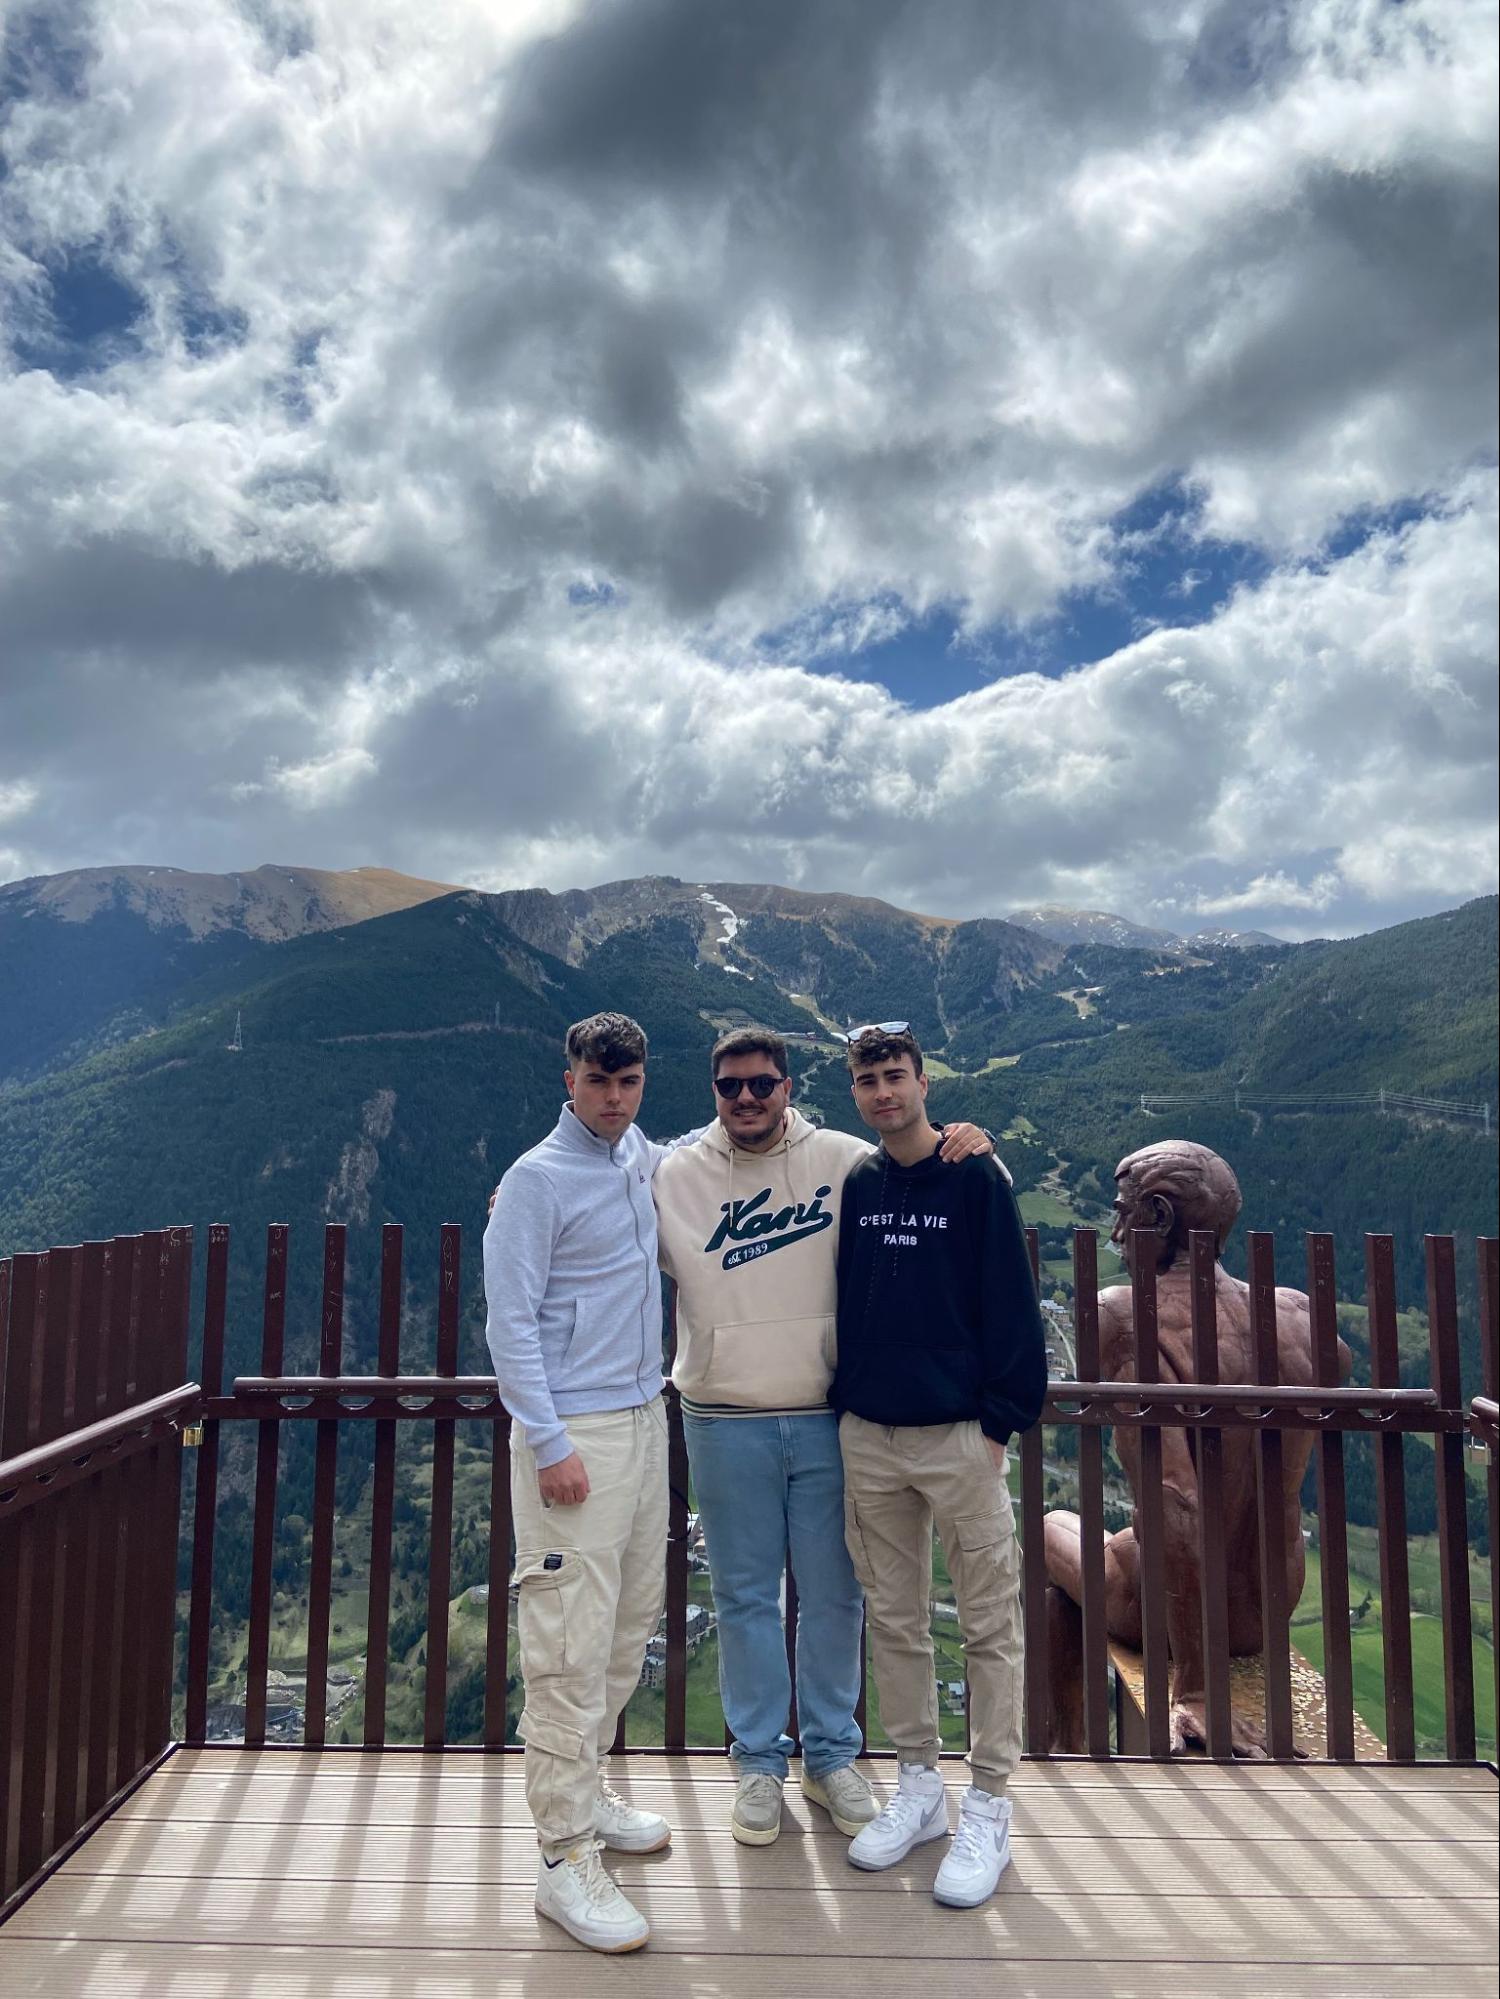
pixel 941 1357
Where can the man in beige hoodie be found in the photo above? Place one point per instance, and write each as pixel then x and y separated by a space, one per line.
pixel 748 1228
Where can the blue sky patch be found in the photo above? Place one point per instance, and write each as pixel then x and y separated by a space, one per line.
pixel 1166 573
pixel 88 321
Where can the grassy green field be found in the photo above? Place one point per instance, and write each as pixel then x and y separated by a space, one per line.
pixel 1366 1640
pixel 1044 1210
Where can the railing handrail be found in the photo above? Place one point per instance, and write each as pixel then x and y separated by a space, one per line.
pixel 49 1468
pixel 1060 1388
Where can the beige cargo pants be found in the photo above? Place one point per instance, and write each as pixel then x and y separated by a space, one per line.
pixel 591 1583
pixel 899 1484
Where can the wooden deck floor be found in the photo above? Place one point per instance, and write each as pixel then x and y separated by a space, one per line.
pixel 233 1874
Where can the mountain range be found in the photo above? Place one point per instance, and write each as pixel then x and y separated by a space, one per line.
pixel 399 1042
pixel 294 1045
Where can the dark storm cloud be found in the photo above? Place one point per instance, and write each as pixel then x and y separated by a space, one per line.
pixel 175 614
pixel 570 332
pixel 675 98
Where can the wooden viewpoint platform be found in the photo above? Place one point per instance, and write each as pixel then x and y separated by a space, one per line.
pixel 235 1874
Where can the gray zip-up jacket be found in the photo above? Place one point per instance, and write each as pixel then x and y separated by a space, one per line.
pixel 571 1283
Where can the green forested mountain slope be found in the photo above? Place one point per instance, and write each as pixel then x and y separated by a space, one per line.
pixel 1417 1000
pixel 392 1068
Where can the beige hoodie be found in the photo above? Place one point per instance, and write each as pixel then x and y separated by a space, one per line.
pixel 751 1239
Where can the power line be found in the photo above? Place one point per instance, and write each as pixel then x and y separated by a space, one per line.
pixel 1381 1100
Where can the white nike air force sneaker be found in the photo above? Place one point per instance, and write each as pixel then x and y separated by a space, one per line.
pixel 973 1864
pixel 576 1894
pixel 917 1811
pixel 625 1829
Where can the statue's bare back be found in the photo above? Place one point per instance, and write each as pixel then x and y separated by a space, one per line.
pixel 1171 1189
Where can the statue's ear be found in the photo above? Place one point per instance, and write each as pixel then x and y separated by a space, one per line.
pixel 1163 1218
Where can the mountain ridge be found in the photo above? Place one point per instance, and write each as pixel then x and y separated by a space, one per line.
pixel 270 903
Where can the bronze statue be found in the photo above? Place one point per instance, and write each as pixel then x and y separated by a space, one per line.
pixel 1172 1188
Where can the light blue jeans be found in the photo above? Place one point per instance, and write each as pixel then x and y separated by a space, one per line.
pixel 768 1486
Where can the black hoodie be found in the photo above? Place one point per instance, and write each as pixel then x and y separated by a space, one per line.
pixel 938 1313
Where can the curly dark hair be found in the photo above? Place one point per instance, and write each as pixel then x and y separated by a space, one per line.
pixel 877 1045
pixel 610 1041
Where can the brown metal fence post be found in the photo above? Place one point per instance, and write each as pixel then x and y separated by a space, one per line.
pixel 85 1637
pixel 165 1462
pixel 122 1276
pixel 1452 1502
pixel 1213 1572
pixel 1333 1537
pixel 1390 1505
pixel 267 1452
pixel 9 1589
pixel 1091 1499
pixel 440 1541
pixel 1489 1362
pixel 1150 1507
pixel 1276 1620
pixel 325 1486
pixel 152 1300
pixel 383 1494
pixel 73 1518
pixel 206 1491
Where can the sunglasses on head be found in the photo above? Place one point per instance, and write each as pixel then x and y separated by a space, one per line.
pixel 759 1087
pixel 876 1027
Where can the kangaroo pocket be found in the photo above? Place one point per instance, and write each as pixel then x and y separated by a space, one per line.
pixel 769 1363
pixel 908 1383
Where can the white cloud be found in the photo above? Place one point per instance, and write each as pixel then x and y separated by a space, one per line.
pixel 750 319
pixel 16 798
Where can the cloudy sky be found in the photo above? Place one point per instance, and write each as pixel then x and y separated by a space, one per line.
pixel 974 454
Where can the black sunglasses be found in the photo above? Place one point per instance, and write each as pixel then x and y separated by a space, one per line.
pixel 876 1027
pixel 759 1087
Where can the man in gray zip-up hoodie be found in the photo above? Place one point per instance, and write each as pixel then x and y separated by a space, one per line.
pixel 574 1329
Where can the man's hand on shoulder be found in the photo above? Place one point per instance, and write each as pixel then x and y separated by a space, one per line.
pixel 494 1197
pixel 969 1141
pixel 565 1483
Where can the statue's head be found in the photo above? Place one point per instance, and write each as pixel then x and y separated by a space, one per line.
pixel 1172 1188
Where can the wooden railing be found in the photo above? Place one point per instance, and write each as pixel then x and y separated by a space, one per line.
pixel 93 1351
pixel 93 1345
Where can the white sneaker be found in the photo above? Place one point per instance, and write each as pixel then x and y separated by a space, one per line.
pixel 624 1828
pixel 980 1852
pixel 755 1816
pixel 918 1811
pixel 577 1895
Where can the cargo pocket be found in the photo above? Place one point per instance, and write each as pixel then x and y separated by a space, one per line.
pixel 543 1597
pixel 854 1541
pixel 987 1543
pixel 553 1738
